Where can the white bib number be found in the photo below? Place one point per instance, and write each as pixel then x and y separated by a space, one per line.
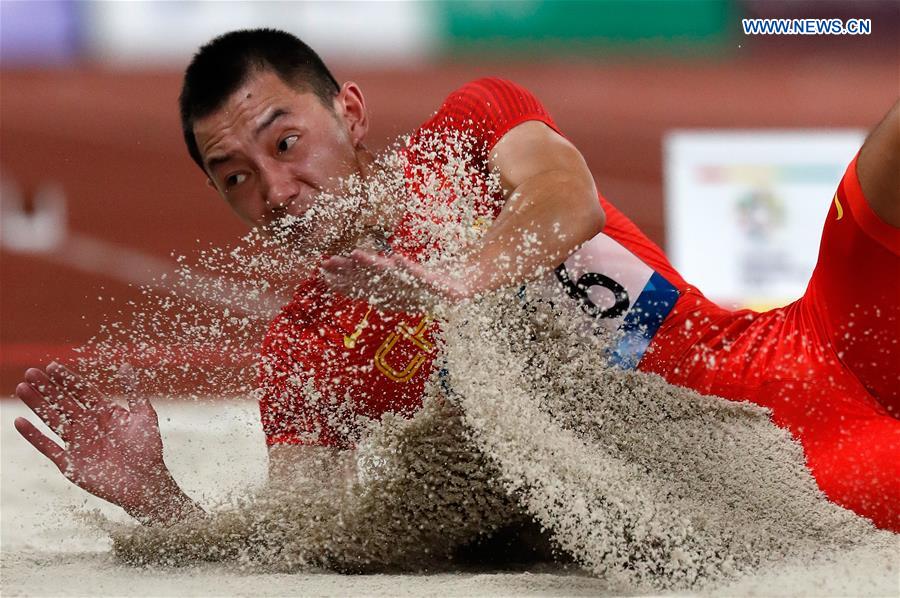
pixel 618 291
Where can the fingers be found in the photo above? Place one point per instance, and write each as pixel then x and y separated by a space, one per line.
pixel 137 404
pixel 390 281
pixel 373 264
pixel 342 274
pixel 44 445
pixel 72 384
pixel 141 406
pixel 358 262
pixel 337 266
pixel 58 398
pixel 35 401
pixel 367 258
pixel 127 378
pixel 358 268
pixel 337 261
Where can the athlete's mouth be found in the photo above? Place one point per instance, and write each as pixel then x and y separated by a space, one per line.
pixel 296 208
pixel 291 224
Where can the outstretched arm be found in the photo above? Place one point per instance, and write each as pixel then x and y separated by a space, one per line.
pixel 110 451
pixel 551 208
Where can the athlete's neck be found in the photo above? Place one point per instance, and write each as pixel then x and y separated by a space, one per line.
pixel 382 217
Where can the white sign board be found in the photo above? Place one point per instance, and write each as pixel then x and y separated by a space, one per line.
pixel 745 209
pixel 356 32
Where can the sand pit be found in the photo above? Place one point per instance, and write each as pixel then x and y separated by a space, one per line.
pixel 217 449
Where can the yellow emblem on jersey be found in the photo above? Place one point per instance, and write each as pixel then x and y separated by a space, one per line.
pixel 416 336
pixel 840 208
pixel 481 222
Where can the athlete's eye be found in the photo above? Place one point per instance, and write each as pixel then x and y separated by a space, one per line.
pixel 235 179
pixel 286 143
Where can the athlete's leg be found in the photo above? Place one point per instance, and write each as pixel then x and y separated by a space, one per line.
pixel 827 365
pixel 854 293
pixel 851 310
pixel 782 360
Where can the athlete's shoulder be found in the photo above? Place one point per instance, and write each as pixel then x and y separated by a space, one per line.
pixel 489 88
pixel 487 108
pixel 490 95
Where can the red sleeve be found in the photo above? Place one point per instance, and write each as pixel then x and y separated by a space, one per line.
pixel 489 108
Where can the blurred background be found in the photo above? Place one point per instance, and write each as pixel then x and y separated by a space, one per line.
pixel 663 98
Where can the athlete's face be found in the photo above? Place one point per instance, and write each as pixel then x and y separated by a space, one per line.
pixel 272 148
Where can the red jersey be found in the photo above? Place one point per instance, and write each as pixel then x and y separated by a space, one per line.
pixel 328 361
pixel 828 365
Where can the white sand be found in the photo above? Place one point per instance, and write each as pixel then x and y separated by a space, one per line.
pixel 213 449
pixel 216 449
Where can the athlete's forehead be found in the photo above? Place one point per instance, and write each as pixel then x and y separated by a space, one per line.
pixel 257 104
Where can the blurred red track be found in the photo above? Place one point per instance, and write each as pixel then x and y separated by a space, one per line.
pixel 113 141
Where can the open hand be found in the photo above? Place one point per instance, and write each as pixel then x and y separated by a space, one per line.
pixel 392 281
pixel 110 451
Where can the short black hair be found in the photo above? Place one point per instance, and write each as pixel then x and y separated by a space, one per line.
pixel 220 67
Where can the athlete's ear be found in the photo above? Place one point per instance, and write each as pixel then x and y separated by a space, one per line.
pixel 351 106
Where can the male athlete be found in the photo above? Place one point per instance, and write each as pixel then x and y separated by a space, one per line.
pixel 271 129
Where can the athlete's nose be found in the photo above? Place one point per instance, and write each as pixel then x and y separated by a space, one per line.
pixel 280 189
